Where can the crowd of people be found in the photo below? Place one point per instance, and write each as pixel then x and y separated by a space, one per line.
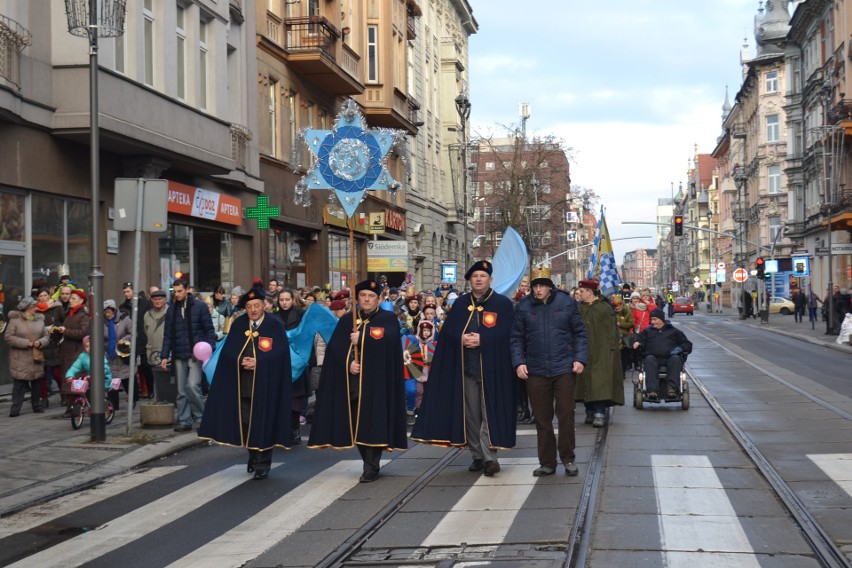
pixel 459 369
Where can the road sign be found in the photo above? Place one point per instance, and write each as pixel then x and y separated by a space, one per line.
pixel 696 285
pixel 721 266
pixel 740 275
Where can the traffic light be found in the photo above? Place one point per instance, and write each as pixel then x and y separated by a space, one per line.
pixel 760 264
pixel 678 220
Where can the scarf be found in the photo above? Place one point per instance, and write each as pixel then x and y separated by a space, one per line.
pixel 111 340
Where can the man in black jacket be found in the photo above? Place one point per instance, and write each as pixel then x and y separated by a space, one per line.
pixel 187 323
pixel 663 345
pixel 550 347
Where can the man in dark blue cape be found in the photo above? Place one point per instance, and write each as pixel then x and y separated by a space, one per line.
pixel 471 396
pixel 361 399
pixel 249 400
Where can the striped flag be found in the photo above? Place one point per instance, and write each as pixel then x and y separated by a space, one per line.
pixel 602 263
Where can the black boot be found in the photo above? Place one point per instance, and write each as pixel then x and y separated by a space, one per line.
pixel 524 416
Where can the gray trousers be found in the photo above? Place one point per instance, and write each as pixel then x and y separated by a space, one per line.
pixel 476 420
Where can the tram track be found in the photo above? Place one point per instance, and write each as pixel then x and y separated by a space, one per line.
pixel 823 547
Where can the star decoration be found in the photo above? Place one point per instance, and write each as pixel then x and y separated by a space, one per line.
pixel 349 159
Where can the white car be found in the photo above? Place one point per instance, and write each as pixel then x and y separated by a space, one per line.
pixel 781 305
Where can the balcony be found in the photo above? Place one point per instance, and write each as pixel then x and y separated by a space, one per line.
pixel 314 48
pixel 13 39
pixel 400 112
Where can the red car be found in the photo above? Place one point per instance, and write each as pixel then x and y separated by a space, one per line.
pixel 683 305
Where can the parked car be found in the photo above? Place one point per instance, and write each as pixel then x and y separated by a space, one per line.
pixel 683 305
pixel 781 305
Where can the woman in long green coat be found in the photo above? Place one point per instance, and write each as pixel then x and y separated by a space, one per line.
pixel 601 383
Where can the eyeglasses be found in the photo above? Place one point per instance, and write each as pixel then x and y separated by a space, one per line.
pixel 127 285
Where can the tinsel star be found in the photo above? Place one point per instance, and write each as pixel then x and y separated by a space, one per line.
pixel 349 159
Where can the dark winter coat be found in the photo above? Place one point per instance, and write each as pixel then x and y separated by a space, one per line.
pixel 663 342
pixel 76 328
pixel 53 316
pixel 187 323
pixel 548 336
pixel 19 333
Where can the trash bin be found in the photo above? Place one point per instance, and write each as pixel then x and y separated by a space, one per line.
pixel 165 385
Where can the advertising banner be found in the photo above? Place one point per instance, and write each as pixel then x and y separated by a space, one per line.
pixel 387 256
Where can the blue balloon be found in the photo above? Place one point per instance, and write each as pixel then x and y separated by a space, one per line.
pixel 387 305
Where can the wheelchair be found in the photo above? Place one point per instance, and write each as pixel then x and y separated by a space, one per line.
pixel 640 393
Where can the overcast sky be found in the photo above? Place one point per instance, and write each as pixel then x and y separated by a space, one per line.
pixel 632 86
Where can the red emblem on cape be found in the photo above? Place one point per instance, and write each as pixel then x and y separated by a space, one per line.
pixel 489 319
pixel 264 344
pixel 377 332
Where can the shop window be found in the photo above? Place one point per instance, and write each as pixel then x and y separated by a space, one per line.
pixel 62 235
pixel 203 256
pixel 12 217
pixel 287 258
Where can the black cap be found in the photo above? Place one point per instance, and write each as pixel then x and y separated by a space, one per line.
pixel 482 265
pixel 256 292
pixel 370 285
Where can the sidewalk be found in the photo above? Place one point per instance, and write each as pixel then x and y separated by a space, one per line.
pixel 783 325
pixel 42 457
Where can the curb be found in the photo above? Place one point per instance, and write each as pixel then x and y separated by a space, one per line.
pixel 93 474
pixel 811 340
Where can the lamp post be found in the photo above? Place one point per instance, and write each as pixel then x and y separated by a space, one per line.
pixel 711 262
pixel 463 108
pixel 84 20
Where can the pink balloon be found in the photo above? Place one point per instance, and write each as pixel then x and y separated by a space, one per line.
pixel 202 351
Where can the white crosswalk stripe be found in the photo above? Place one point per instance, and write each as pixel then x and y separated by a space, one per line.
pixel 836 466
pixel 695 512
pixel 487 510
pixel 277 521
pixel 136 524
pixel 45 513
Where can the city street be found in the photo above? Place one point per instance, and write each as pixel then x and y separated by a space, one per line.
pixel 671 487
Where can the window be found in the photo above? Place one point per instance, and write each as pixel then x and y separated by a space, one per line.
pixel 202 64
pixel 293 107
pixel 772 82
pixel 772 131
pixel 180 30
pixel 372 54
pixel 489 166
pixel 773 173
pixel 774 228
pixel 273 118
pixel 119 53
pixel 148 41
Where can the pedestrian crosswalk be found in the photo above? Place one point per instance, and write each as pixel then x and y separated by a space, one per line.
pixel 695 514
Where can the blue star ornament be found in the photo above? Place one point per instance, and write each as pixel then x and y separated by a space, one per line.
pixel 349 159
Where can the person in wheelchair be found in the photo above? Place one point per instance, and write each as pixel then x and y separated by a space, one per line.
pixel 664 346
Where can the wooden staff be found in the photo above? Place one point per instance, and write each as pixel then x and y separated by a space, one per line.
pixel 352 274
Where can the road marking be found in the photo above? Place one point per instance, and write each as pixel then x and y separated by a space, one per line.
pixel 139 522
pixel 487 510
pixel 836 466
pixel 282 518
pixel 52 510
pixel 696 518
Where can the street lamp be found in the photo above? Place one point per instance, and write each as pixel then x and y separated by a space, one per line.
pixel 463 108
pixel 711 262
pixel 84 20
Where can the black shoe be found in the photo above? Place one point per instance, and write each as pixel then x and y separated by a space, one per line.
pixel 571 469
pixel 297 437
pixel 38 410
pixel 46 402
pixel 653 397
pixel 15 415
pixel 183 428
pixel 542 471
pixel 261 474
pixel 491 467
pixel 250 466
pixel 476 465
pixel 590 416
pixel 369 477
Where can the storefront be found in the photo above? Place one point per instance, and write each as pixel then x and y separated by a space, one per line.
pixel 40 235
pixel 342 272
pixel 288 255
pixel 202 241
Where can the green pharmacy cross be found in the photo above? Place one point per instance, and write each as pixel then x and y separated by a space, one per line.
pixel 263 212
